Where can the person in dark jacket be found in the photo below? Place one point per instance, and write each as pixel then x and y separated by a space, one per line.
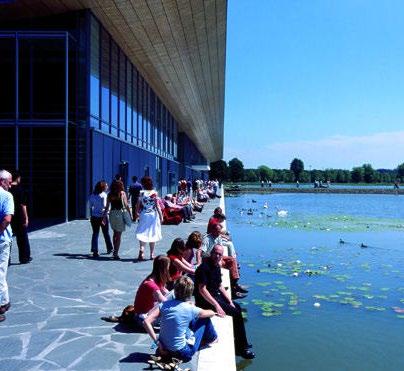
pixel 19 223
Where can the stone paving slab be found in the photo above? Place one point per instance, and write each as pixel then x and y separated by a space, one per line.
pixel 57 301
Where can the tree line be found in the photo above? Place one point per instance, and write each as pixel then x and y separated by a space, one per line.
pixel 234 171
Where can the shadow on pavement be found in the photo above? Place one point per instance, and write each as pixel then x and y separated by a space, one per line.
pixel 136 357
pixel 90 257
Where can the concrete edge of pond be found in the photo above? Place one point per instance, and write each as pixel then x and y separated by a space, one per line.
pixel 221 355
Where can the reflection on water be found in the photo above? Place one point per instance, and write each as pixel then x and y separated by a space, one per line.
pixel 326 281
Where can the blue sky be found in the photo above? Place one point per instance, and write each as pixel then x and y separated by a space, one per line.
pixel 320 80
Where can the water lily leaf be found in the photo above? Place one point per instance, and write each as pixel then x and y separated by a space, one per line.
pixel 378 309
pixel 384 289
pixel 251 265
pixel 344 293
pixel 401 316
pixel 263 284
pixel 296 312
pixel 367 296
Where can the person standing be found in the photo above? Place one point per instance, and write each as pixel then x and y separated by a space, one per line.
pixel 6 238
pixel 118 201
pixel 19 223
pixel 150 217
pixel 98 202
pixel 134 193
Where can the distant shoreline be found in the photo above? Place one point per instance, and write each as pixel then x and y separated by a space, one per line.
pixel 379 191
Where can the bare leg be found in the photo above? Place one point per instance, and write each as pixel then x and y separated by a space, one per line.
pixel 117 242
pixel 152 245
pixel 141 250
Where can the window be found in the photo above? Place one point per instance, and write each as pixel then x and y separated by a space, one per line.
pixel 163 129
pixel 135 100
pixel 42 75
pixel 7 78
pixel 95 69
pixel 122 95
pixel 105 80
pixel 114 87
pixel 158 125
pixel 152 119
pixel 129 103
pixel 140 111
pixel 146 122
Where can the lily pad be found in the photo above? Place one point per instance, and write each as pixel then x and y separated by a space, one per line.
pixel 377 309
pixel 263 284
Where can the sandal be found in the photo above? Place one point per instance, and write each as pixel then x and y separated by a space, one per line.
pixel 141 256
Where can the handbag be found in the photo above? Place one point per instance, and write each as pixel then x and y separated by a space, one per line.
pixel 126 216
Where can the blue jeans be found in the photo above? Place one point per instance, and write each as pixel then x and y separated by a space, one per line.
pixel 96 223
pixel 203 331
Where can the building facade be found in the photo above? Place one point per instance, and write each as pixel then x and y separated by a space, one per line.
pixel 77 109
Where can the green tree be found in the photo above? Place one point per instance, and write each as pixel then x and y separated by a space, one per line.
pixel 305 177
pixel 265 173
pixel 250 175
pixel 236 170
pixel 218 170
pixel 400 172
pixel 296 167
pixel 368 173
pixel 357 174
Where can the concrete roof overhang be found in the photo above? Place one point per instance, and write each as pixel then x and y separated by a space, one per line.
pixel 178 45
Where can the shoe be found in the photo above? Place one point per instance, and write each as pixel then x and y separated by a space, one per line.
pixel 109 251
pixel 246 354
pixel 2 318
pixel 4 308
pixel 96 255
pixel 116 257
pixel 26 261
pixel 186 221
pixel 238 295
pixel 241 289
pixel 140 257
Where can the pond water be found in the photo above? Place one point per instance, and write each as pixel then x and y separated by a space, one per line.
pixel 310 186
pixel 326 280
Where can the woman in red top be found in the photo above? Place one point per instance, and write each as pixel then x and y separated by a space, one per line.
pixel 153 289
pixel 178 265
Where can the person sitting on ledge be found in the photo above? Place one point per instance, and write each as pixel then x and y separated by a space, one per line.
pixel 152 290
pixel 228 262
pixel 178 265
pixel 210 294
pixel 183 326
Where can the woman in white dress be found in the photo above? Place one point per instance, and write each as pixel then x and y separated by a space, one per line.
pixel 150 216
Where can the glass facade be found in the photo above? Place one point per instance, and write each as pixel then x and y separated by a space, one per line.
pixel 33 77
pixel 121 101
pixel 109 117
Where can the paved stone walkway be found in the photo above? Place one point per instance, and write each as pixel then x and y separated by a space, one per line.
pixel 57 301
